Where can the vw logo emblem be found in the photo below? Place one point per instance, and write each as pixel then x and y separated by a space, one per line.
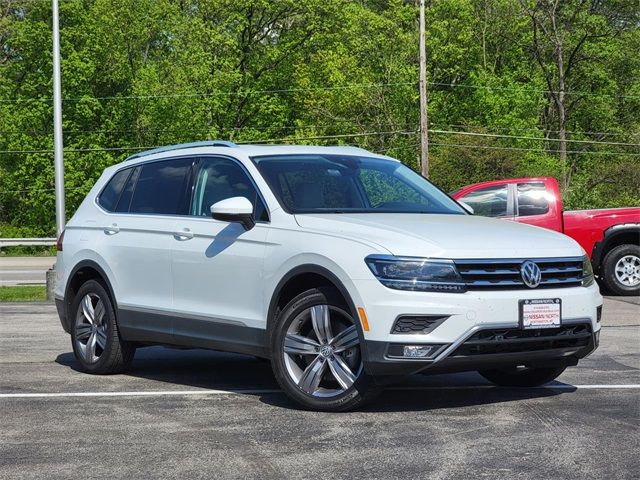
pixel 326 351
pixel 530 273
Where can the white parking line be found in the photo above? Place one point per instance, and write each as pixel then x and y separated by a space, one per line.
pixel 158 393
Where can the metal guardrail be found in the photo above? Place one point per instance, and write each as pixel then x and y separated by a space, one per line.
pixel 27 242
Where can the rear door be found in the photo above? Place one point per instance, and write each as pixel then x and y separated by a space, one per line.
pixel 217 266
pixel 138 235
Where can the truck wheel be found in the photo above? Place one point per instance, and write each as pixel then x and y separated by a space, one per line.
pixel 521 376
pixel 621 270
pixel 316 356
pixel 95 338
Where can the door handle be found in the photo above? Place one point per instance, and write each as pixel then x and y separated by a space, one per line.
pixel 112 229
pixel 184 234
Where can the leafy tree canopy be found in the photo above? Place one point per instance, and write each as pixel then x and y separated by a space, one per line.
pixel 142 73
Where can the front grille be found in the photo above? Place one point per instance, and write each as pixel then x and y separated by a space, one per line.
pixel 513 340
pixel 505 274
pixel 415 324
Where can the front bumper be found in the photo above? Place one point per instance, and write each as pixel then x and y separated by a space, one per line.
pixel 460 318
pixel 491 347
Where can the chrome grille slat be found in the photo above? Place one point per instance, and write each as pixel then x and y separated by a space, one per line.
pixel 505 274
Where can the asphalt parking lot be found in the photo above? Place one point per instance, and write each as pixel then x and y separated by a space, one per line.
pixel 202 414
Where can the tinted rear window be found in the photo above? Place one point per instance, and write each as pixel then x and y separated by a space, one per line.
pixel 109 197
pixel 127 192
pixel 161 188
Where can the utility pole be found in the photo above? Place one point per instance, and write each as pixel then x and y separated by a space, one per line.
pixel 57 124
pixel 424 119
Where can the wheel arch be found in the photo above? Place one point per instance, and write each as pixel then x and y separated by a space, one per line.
pixel 81 272
pixel 302 278
pixel 613 237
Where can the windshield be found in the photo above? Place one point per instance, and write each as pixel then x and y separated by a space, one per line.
pixel 350 184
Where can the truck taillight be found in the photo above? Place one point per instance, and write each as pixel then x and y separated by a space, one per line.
pixel 59 242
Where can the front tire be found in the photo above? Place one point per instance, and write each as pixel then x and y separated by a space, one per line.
pixel 95 338
pixel 621 270
pixel 522 376
pixel 316 356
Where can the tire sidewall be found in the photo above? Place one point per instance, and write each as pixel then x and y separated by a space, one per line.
pixel 610 261
pixel 92 286
pixel 345 401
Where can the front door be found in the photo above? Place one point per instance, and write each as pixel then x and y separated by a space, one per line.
pixel 218 293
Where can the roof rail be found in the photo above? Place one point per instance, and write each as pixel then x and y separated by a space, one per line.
pixel 179 146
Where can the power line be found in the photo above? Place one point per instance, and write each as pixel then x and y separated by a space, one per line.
pixel 214 94
pixel 356 135
pixel 530 90
pixel 493 135
pixel 177 130
pixel 435 131
pixel 310 89
pixel 521 149
pixel 247 142
pixel 294 127
pixel 572 132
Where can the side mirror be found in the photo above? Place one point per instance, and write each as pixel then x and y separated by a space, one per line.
pixel 467 207
pixel 235 209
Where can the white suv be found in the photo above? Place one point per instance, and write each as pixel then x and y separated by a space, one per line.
pixel 343 267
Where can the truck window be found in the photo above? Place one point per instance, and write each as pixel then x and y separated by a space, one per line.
pixel 488 201
pixel 533 199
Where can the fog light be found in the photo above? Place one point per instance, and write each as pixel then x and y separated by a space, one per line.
pixel 419 351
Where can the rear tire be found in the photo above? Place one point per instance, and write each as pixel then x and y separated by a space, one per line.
pixel 95 338
pixel 621 270
pixel 522 377
pixel 316 356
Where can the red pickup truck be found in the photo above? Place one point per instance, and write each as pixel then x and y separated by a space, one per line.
pixel 611 237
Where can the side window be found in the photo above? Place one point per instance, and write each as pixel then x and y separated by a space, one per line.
pixel 532 199
pixel 221 178
pixel 489 201
pixel 108 199
pixel 161 187
pixel 127 192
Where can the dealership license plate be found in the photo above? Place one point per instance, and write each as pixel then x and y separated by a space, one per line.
pixel 540 313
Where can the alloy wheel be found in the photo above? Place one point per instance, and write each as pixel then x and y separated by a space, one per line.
pixel 627 270
pixel 91 328
pixel 322 351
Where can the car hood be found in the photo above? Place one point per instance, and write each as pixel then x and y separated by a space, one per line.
pixel 444 236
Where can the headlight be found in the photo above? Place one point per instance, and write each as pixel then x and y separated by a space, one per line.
pixel 587 272
pixel 412 273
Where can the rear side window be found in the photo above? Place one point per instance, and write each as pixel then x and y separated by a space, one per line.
pixel 533 199
pixel 489 201
pixel 162 188
pixel 127 192
pixel 111 193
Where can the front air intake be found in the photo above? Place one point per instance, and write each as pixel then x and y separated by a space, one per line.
pixel 417 324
